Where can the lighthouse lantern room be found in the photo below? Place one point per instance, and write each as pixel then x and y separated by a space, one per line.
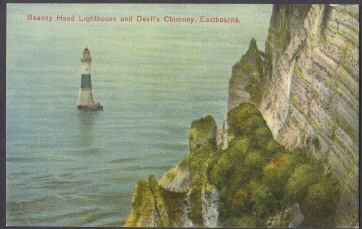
pixel 85 99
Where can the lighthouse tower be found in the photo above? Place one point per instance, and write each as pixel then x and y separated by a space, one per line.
pixel 85 100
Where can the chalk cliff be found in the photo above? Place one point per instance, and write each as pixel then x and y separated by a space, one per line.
pixel 273 172
pixel 310 95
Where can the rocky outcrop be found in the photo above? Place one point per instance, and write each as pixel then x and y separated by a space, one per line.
pixel 310 96
pixel 154 206
pixel 177 179
pixel 182 198
pixel 247 78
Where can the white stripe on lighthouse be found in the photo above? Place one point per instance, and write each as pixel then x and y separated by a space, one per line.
pixel 86 68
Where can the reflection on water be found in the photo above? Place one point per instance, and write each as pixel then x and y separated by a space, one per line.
pixel 85 135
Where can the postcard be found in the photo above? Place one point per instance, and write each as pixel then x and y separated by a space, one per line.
pixel 182 115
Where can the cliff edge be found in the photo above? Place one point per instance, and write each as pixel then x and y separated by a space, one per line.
pixel 287 154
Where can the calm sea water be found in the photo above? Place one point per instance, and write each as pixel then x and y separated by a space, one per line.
pixel 66 167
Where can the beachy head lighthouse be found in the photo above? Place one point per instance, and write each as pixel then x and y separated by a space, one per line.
pixel 85 100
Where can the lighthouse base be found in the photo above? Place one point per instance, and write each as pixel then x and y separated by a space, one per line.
pixel 86 102
pixel 91 107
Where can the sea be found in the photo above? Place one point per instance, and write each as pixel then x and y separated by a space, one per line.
pixel 66 167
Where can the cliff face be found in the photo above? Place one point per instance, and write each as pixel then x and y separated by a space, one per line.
pixel 311 90
pixel 306 88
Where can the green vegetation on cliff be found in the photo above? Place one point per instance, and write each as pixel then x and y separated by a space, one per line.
pixel 258 178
